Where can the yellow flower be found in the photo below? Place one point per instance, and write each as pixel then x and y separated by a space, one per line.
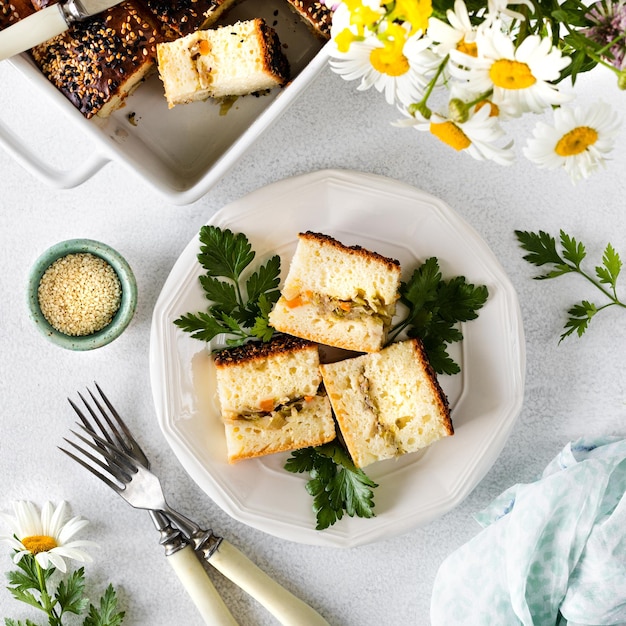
pixel 344 39
pixel 416 12
pixel 362 16
pixel 390 59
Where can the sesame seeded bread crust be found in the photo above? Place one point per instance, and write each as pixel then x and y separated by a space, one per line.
pixel 389 403
pixel 271 398
pixel 260 350
pixel 317 15
pixel 12 11
pixel 182 17
pixel 97 63
pixel 337 295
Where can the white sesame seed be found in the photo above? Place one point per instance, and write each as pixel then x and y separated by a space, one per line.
pixel 79 294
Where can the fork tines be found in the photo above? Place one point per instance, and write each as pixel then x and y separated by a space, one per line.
pixel 109 425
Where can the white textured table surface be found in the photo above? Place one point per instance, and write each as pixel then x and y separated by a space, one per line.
pixel 572 389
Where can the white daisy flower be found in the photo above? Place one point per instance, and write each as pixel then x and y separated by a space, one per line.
pixel 401 72
pixel 457 33
pixel 477 135
pixel 519 77
pixel 47 535
pixel 578 142
pixel 498 8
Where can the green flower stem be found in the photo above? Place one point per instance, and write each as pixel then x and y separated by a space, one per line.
pixel 423 103
pixel 47 604
pixel 611 296
pixel 480 98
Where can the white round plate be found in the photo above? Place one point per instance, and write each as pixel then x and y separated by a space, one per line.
pixel 395 220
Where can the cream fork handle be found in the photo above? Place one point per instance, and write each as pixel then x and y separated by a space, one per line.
pixel 288 610
pixel 198 585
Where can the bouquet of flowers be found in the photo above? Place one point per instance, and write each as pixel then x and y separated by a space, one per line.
pixel 460 69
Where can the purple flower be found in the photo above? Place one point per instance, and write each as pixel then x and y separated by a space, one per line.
pixel 609 19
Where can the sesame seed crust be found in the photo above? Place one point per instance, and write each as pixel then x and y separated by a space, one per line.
pixel 99 61
pixel 259 350
pixel 182 17
pixel 317 14
pixel 12 11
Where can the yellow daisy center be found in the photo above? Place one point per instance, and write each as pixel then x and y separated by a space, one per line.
pixel 511 74
pixel 39 543
pixel 450 133
pixel 467 47
pixel 576 141
pixel 389 60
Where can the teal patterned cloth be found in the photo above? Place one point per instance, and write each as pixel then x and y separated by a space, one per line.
pixel 550 552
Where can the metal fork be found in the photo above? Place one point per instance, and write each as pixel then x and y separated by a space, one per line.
pixel 142 489
pixel 121 464
pixel 120 442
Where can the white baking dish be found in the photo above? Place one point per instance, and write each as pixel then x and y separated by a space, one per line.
pixel 180 152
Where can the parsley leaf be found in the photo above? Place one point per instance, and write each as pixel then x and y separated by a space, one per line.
pixel 107 613
pixel 336 484
pixel 542 250
pixel 237 308
pixel 435 308
pixel 67 597
pixel 70 591
pixel 223 253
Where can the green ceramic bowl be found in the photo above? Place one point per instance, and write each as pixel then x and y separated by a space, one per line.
pixel 123 315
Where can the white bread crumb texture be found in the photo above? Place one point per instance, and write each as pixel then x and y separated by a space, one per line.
pixel 324 266
pixel 248 386
pixel 386 403
pixel 311 424
pixel 228 61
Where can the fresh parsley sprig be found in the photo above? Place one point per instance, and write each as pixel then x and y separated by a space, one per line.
pixel 435 308
pixel 238 309
pixel 542 250
pixel 336 484
pixel 32 584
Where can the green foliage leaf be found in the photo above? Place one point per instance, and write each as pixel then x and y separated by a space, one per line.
pixel 237 308
pixel 264 280
pixel 221 294
pixel 25 596
pixel 106 614
pixel 542 250
pixel 611 267
pixel 573 251
pixel 223 253
pixel 435 308
pixel 70 593
pixel 579 317
pixel 336 484
pixel 202 326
